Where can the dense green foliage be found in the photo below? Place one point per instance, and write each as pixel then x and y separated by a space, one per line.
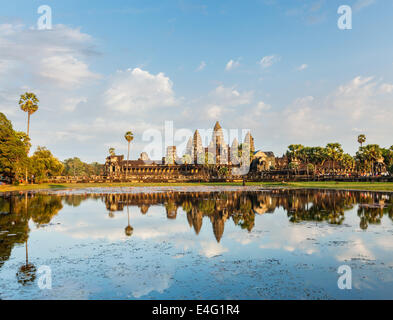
pixel 77 168
pixel 14 159
pixel 44 165
pixel 13 148
pixel 369 158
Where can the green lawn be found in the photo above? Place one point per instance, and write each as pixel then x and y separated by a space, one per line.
pixel 372 186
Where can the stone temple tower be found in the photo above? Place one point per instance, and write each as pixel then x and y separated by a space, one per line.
pixel 250 141
pixel 218 146
pixel 197 147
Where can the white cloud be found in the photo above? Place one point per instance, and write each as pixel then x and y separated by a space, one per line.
pixel 360 4
pixel 362 102
pixel 56 57
pixel 201 66
pixel 70 104
pixel 386 88
pixel 261 107
pixel 268 61
pixel 229 96
pixel 66 70
pixel 214 111
pixel 232 64
pixel 302 67
pixel 137 90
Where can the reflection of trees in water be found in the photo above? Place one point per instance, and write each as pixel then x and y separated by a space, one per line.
pixel 129 229
pixel 241 207
pixel 15 221
pixel 27 272
pixel 372 209
pixel 73 200
pixel 15 214
pixel 218 207
pixel 320 206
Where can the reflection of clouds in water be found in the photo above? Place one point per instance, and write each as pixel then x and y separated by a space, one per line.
pixel 138 274
pixel 87 232
pixel 292 237
pixel 80 224
pixel 385 243
pixel 157 282
pixel 144 282
pixel 212 249
pixel 357 249
pixel 160 231
pixel 67 291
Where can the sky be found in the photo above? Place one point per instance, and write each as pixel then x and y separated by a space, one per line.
pixel 282 69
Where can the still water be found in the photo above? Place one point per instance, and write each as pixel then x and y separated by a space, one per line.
pixel 196 243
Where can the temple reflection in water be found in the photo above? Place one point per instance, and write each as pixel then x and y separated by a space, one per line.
pixel 96 225
pixel 218 208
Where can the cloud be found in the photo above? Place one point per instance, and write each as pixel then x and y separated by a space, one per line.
pixel 232 64
pixel 137 90
pixel 70 104
pixel 230 96
pixel 261 107
pixel 268 61
pixel 201 66
pixel 360 4
pixel 214 111
pixel 386 88
pixel 66 70
pixel 361 103
pixel 54 57
pixel 302 67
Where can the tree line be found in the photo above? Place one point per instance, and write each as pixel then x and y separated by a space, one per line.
pixel 17 165
pixel 370 158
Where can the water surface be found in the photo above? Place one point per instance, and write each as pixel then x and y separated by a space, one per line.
pixel 196 243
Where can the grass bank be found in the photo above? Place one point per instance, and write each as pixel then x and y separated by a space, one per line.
pixel 369 186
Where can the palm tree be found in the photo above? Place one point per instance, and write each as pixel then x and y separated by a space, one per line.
pixel 334 152
pixel 293 166
pixel 28 102
pixel 348 162
pixel 361 139
pixel 129 136
pixel 369 155
pixel 294 152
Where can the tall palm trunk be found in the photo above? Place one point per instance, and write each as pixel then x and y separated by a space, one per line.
pixel 28 130
pixel 28 123
pixel 128 159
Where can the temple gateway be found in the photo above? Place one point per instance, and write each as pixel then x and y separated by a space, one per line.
pixel 216 160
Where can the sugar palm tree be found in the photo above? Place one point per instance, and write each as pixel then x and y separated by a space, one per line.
pixel 334 152
pixel 129 136
pixel 348 162
pixel 361 139
pixel 28 102
pixel 294 152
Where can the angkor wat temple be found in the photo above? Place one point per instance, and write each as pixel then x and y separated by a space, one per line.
pixel 198 163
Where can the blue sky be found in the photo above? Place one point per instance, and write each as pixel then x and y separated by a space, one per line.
pixel 282 69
